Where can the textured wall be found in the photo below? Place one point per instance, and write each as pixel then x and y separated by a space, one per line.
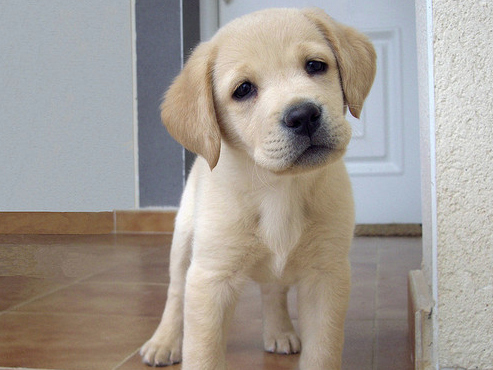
pixel 463 52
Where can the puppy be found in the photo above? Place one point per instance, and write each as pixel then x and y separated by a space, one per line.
pixel 263 103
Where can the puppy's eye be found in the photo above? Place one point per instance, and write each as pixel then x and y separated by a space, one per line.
pixel 243 91
pixel 314 67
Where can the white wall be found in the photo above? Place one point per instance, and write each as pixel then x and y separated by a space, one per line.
pixel 463 49
pixel 457 145
pixel 66 106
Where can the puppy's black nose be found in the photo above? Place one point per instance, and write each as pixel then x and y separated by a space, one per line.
pixel 303 119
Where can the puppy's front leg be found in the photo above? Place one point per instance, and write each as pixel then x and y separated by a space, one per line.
pixel 164 348
pixel 279 334
pixel 323 298
pixel 210 299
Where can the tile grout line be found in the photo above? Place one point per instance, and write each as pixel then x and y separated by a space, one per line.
pixel 32 299
pixel 81 314
pixel 126 359
pixel 23 368
pixel 65 286
pixel 122 283
pixel 375 312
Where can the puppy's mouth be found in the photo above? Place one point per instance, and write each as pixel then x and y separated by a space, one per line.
pixel 288 151
pixel 298 155
pixel 313 155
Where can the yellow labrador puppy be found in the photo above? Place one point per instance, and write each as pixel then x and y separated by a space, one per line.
pixel 263 103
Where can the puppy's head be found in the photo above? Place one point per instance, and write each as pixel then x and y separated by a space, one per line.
pixel 275 84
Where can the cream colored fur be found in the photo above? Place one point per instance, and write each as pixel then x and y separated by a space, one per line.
pixel 261 202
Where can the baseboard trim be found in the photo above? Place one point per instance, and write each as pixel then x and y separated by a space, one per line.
pixel 420 308
pixel 409 230
pixel 56 222
pixel 137 221
pixel 145 221
pixel 133 221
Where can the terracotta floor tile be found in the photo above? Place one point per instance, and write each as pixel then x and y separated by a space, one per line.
pixel 240 360
pixel 362 301
pixel 358 345
pixel 262 360
pixel 102 299
pixel 90 302
pixel 71 261
pixel 392 346
pixel 391 301
pixel 245 349
pixel 250 303
pixel 149 268
pixel 364 250
pixel 18 289
pixel 70 342
pixel 135 363
pixel 397 256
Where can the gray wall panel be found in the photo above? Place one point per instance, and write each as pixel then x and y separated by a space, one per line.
pixel 158 28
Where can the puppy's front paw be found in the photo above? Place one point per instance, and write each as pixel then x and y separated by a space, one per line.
pixel 282 342
pixel 159 351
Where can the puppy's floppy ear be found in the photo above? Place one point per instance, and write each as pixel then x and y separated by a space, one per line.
pixel 188 107
pixel 355 56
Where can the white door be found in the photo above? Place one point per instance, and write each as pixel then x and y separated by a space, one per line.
pixel 383 157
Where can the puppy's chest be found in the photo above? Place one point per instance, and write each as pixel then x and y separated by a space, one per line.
pixel 281 225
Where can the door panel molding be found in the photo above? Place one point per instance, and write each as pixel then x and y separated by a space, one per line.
pixel 376 146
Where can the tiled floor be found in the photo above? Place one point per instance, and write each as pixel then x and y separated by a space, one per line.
pixel 89 302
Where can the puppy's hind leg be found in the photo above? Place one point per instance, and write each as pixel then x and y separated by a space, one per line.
pixel 165 346
pixel 279 334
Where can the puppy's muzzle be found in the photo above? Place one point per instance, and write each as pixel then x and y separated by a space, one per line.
pixel 303 119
